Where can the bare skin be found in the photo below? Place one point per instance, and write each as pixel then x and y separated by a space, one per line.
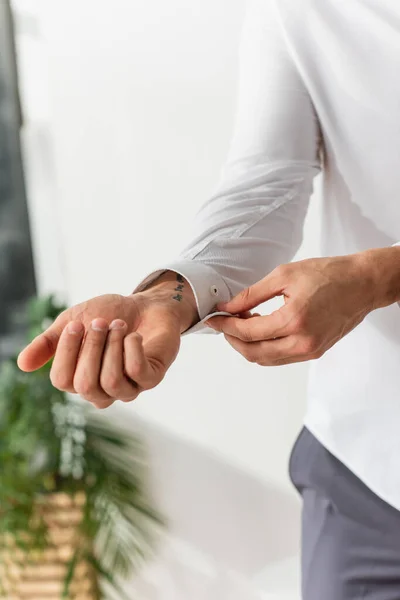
pixel 115 347
pixel 325 299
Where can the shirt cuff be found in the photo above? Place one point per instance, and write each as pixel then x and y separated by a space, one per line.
pixel 209 289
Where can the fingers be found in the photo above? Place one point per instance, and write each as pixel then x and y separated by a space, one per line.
pixel 282 351
pixel 107 364
pixel 260 292
pixel 86 380
pixel 64 364
pixel 254 329
pixel 248 315
pixel 94 369
pixel 137 366
pixel 112 378
pixel 147 363
pixel 265 353
pixel 42 348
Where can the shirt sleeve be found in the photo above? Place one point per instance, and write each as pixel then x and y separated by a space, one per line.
pixel 254 220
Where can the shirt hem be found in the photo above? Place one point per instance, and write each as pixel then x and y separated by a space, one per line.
pixel 323 439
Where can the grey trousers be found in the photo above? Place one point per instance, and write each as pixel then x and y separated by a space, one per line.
pixel 350 537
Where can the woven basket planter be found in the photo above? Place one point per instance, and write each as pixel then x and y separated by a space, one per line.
pixel 41 575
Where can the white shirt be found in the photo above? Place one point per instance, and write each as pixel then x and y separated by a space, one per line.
pixel 319 89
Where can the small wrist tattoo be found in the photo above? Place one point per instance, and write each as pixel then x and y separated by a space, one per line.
pixel 179 288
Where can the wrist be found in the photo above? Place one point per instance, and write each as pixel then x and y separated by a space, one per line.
pixel 175 292
pixel 381 268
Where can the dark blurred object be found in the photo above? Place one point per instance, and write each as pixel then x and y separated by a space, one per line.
pixel 17 281
pixel 74 505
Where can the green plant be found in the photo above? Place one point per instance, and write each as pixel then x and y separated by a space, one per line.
pixel 51 442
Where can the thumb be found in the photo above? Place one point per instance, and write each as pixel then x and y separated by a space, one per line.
pixel 250 297
pixel 42 348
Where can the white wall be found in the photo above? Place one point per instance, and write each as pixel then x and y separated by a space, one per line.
pixel 127 104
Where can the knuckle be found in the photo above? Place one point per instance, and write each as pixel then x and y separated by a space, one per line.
pixel 134 370
pixel 149 383
pixel 252 357
pixel 61 381
pixel 84 387
pixel 111 383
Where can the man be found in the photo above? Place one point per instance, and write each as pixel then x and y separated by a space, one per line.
pixel 320 90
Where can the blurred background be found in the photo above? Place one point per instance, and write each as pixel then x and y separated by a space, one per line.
pixel 112 137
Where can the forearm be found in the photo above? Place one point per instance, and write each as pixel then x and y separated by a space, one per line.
pixel 380 269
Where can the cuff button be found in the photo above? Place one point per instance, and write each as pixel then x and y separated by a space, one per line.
pixel 214 290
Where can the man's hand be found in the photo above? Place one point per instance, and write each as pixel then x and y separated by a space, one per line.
pixel 324 300
pixel 114 347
